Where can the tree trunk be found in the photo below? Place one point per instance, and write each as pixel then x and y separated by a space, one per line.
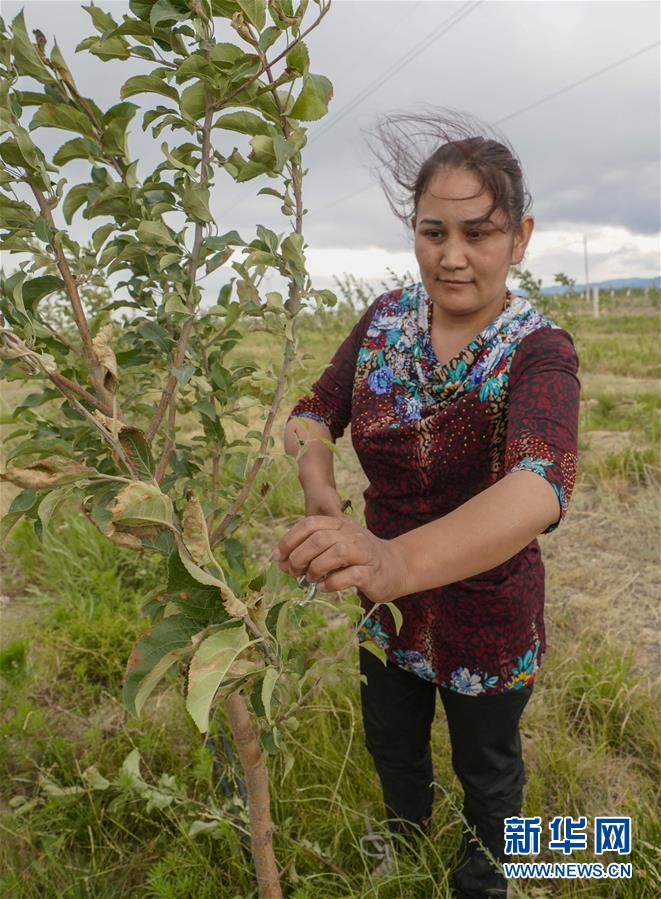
pixel 257 786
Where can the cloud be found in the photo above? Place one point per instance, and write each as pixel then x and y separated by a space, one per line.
pixel 590 153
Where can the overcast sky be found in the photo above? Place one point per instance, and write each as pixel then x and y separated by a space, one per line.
pixel 590 154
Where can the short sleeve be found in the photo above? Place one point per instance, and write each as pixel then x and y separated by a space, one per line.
pixel 544 402
pixel 329 399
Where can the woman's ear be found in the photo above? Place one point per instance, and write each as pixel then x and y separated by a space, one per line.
pixel 521 238
pixel 413 220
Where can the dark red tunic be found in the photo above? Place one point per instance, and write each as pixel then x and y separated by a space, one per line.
pixel 431 436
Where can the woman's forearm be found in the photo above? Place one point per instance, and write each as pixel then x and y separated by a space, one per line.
pixel 315 464
pixel 484 532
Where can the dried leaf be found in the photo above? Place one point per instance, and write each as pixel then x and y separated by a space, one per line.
pixel 50 472
pixel 102 346
pixel 233 606
pixel 195 533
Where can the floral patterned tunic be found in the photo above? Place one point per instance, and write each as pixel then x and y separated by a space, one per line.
pixel 430 436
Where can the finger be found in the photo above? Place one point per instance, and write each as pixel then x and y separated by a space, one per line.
pixel 337 555
pixel 301 531
pixel 322 552
pixel 354 576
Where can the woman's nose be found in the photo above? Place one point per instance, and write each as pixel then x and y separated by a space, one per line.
pixel 453 255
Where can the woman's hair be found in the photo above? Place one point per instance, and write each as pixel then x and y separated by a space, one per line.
pixel 411 148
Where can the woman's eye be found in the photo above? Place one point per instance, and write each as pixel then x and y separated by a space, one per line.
pixel 475 235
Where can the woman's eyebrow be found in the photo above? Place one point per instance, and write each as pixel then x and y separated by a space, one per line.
pixel 477 221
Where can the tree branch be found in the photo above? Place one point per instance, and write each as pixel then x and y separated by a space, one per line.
pixel 293 306
pixel 327 662
pixel 225 100
pixel 187 327
pixel 96 371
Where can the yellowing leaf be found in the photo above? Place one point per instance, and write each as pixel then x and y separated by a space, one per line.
pixel 396 614
pixel 208 669
pixel 268 684
pixel 139 504
pixel 371 646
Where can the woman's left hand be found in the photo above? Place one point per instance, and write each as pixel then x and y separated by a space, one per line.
pixel 336 553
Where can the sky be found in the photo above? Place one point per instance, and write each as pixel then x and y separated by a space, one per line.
pixel 574 87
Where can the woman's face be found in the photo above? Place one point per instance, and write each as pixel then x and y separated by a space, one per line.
pixel 464 264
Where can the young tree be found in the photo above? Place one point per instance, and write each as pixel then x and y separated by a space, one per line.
pixel 134 387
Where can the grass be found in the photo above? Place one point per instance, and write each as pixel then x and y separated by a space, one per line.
pixel 591 732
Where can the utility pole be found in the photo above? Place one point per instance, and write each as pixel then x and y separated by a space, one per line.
pixel 587 271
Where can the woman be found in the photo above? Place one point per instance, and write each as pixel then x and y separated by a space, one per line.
pixel 463 401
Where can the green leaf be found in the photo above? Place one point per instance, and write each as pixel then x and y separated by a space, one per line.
pixel 195 200
pixel 183 374
pixel 134 443
pixel 197 601
pixel 244 123
pixel 59 115
pixel 100 236
pixel 255 11
pixel 118 118
pixel 74 200
pixel 147 84
pixel 37 288
pixel 78 148
pixel 114 200
pixel 153 654
pixel 396 614
pixel 26 57
pixel 226 54
pixel 42 229
pixel 292 251
pixel 155 233
pixel 371 646
pixel 312 103
pixel 298 58
pixel 270 678
pixel 50 503
pixel 167 11
pixel 268 37
pixel 111 48
pixel 208 669
pixel 271 741
pixel 193 100
pixel 102 20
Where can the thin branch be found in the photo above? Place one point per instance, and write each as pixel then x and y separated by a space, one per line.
pixel 326 662
pixel 225 100
pixel 170 443
pixel 186 330
pixel 293 306
pixel 65 384
pixel 96 371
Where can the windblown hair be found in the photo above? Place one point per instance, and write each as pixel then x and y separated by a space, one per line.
pixel 412 147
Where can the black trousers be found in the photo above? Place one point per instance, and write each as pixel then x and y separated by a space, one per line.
pixel 398 709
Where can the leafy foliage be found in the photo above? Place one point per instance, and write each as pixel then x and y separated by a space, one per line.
pixel 136 389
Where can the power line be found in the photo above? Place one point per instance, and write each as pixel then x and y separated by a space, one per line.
pixel 574 84
pixel 442 29
pixel 523 109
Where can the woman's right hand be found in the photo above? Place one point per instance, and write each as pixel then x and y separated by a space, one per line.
pixel 323 500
